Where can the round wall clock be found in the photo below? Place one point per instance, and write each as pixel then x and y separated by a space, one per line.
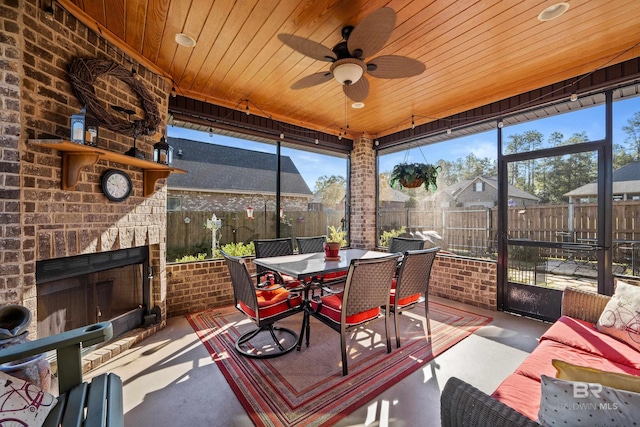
pixel 116 185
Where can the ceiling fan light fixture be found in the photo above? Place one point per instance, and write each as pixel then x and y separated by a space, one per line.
pixel 347 71
pixel 185 40
pixel 553 11
pixel 357 105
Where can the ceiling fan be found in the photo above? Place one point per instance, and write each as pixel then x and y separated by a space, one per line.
pixel 348 57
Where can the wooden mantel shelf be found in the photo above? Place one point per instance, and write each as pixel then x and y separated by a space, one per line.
pixel 77 156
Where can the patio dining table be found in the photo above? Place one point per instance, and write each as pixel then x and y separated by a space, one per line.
pixel 309 270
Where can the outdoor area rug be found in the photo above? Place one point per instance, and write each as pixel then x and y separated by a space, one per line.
pixel 307 387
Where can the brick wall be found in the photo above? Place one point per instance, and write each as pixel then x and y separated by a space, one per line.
pixel 196 286
pixel 363 194
pixel 40 220
pixel 14 250
pixel 466 280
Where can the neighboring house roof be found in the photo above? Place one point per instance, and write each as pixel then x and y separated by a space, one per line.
pixel 394 196
pixel 512 191
pixel 221 168
pixel 625 180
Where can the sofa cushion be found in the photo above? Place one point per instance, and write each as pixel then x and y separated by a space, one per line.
pixel 584 336
pixel 570 372
pixel 620 317
pixel 520 393
pixel 539 362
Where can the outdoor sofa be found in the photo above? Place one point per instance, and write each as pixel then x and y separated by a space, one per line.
pixel 574 342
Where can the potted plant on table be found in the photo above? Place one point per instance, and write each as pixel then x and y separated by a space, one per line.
pixel 413 175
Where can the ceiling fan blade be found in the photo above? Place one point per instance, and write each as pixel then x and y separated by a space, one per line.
pixel 372 33
pixel 394 67
pixel 312 80
pixel 358 91
pixel 308 47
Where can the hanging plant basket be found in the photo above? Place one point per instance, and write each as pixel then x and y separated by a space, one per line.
pixel 411 184
pixel 413 175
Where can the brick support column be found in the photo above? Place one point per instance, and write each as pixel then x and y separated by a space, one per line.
pixel 16 244
pixel 363 194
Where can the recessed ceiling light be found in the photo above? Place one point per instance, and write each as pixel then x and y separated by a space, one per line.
pixel 357 105
pixel 552 12
pixel 185 40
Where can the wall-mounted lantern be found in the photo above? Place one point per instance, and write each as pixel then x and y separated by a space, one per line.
pixel 163 152
pixel 84 129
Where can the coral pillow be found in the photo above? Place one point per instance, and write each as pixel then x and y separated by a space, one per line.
pixel 621 316
pixel 23 403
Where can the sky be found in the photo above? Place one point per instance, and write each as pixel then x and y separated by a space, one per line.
pixel 313 165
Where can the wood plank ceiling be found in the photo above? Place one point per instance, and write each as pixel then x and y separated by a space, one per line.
pixel 475 52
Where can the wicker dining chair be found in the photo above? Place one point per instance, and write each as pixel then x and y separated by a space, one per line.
pixel 308 245
pixel 403 244
pixel 267 248
pixel 365 291
pixel 264 304
pixel 412 282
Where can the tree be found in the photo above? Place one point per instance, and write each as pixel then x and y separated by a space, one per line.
pixel 633 135
pixel 565 173
pixel 332 188
pixel 472 166
pixel 523 174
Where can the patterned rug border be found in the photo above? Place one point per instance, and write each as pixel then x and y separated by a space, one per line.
pixel 323 406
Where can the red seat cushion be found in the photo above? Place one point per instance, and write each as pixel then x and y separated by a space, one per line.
pixel 332 309
pixel 411 299
pixel 539 361
pixel 336 275
pixel 272 302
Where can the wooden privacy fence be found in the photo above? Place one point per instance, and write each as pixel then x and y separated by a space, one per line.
pixel 474 230
pixel 186 229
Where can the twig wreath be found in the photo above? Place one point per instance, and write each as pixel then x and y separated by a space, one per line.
pixel 83 73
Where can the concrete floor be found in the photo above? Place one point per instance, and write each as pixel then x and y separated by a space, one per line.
pixel 170 379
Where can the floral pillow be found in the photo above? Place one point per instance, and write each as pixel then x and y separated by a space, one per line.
pixel 23 403
pixel 621 316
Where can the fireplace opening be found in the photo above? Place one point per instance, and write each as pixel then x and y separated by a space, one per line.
pixel 77 291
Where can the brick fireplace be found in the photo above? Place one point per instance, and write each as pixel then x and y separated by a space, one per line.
pixel 41 221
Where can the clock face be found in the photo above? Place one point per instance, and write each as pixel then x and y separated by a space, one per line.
pixel 116 185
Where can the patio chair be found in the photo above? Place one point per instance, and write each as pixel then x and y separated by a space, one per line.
pixel 412 282
pixel 267 248
pixel 307 245
pixel 264 304
pixel 403 244
pixel 366 290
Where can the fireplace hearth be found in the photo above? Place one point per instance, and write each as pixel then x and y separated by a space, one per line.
pixel 77 291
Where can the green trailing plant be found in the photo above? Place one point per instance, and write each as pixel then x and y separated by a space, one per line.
pixel 412 175
pixel 386 236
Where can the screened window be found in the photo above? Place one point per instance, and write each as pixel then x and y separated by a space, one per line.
pixel 230 193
